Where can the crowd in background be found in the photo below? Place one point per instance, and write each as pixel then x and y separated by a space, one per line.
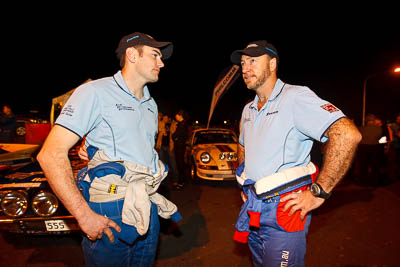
pixel 171 145
pixel 378 156
pixel 376 163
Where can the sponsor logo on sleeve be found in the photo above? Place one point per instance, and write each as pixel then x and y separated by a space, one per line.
pixel 68 110
pixel 329 107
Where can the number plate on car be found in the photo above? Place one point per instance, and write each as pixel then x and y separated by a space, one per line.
pixel 56 225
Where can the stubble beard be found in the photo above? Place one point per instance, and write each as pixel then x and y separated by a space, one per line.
pixel 260 81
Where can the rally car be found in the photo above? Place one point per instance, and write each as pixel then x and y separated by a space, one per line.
pixel 29 206
pixel 213 154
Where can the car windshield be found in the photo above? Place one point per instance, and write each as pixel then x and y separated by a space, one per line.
pixel 214 138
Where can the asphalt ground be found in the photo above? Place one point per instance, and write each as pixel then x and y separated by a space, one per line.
pixel 357 226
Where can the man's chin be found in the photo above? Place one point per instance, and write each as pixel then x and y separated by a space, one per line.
pixel 250 83
pixel 250 86
pixel 155 79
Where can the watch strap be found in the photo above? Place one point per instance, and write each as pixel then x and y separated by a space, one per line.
pixel 322 192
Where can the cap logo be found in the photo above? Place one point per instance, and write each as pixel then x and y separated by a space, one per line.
pixel 133 37
pixel 252 45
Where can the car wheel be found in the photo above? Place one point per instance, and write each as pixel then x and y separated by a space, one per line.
pixel 193 173
pixel 20 130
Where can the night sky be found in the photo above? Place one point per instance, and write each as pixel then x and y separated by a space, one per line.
pixel 331 53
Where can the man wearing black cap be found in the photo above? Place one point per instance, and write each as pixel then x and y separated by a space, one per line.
pixel 280 183
pixel 119 119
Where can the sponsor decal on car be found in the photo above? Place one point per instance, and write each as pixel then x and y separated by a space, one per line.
pixel 224 148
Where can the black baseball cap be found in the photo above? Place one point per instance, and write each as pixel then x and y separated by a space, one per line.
pixel 138 38
pixel 255 49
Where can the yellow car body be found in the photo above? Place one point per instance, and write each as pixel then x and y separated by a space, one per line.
pixel 213 154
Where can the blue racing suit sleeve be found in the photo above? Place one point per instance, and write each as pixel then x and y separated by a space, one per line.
pixel 240 169
pixel 249 214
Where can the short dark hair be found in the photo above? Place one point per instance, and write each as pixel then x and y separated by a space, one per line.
pixel 122 59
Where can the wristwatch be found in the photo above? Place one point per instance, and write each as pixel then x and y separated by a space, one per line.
pixel 317 191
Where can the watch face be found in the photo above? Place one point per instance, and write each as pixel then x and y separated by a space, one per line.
pixel 315 190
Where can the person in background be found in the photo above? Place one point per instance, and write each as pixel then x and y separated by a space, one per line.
pixel 180 134
pixel 161 124
pixel 119 119
pixel 165 146
pixel 369 155
pixel 277 132
pixel 393 163
pixel 384 145
pixel 8 124
pixel 163 121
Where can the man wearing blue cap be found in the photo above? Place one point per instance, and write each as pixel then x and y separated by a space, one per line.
pixel 119 206
pixel 280 183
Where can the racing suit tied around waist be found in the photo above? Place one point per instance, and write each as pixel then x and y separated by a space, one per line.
pixel 267 189
pixel 104 180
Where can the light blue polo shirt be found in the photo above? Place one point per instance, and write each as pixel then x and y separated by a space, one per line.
pixel 114 119
pixel 281 134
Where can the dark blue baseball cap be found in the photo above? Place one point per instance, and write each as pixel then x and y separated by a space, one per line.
pixel 255 49
pixel 138 38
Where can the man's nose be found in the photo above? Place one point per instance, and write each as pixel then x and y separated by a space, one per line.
pixel 160 63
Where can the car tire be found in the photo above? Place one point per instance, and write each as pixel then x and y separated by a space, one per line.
pixel 20 130
pixel 19 133
pixel 193 174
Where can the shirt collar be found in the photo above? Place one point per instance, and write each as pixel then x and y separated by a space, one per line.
pixel 275 93
pixel 277 90
pixel 121 83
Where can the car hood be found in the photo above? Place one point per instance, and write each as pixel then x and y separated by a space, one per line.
pixel 216 148
pixel 29 176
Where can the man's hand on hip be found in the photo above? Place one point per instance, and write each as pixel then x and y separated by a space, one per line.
pixel 303 201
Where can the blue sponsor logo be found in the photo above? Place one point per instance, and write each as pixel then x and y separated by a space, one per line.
pixel 132 38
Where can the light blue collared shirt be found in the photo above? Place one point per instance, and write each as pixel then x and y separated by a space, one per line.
pixel 114 119
pixel 281 134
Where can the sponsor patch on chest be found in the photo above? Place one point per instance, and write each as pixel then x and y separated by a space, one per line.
pixel 271 113
pixel 124 107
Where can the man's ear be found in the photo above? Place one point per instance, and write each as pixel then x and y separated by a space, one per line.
pixel 131 54
pixel 273 64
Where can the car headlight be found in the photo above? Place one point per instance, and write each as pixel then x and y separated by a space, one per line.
pixel 44 203
pixel 205 157
pixel 228 156
pixel 14 203
pixel 232 156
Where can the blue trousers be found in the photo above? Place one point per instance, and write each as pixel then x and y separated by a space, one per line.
pixel 281 239
pixel 141 252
